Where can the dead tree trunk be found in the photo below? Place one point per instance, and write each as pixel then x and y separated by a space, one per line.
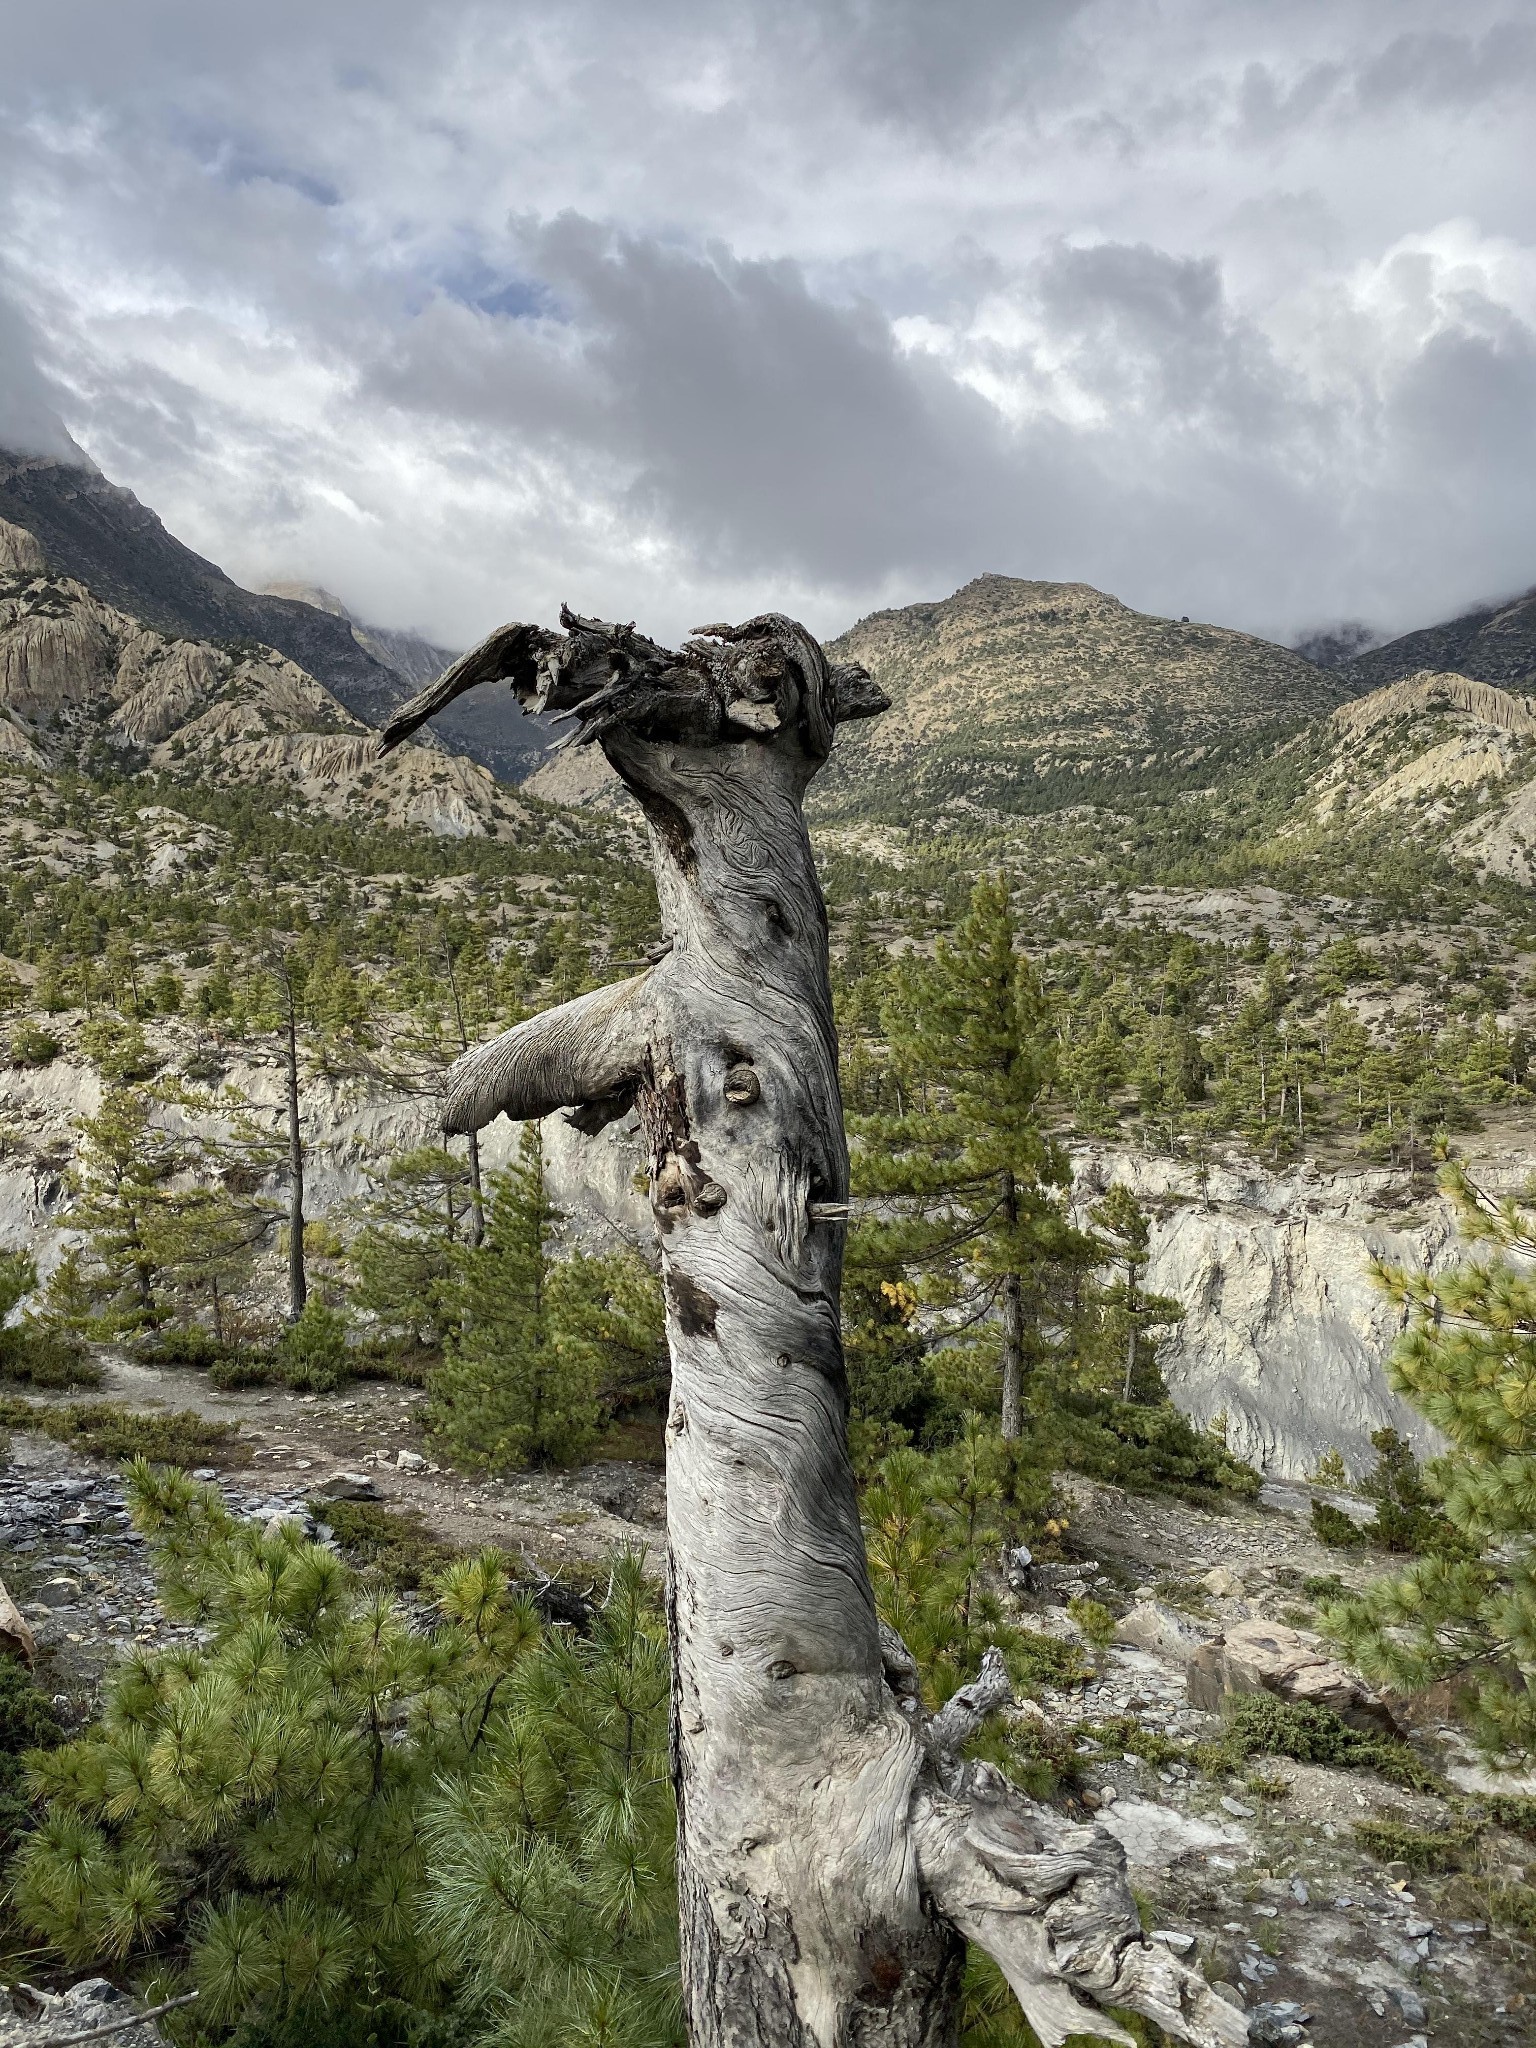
pixel 832 1847
pixel 476 1191
pixel 298 1282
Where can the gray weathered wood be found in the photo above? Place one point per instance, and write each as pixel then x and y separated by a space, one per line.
pixel 833 1849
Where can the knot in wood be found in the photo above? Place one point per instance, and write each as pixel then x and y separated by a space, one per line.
pixel 742 1085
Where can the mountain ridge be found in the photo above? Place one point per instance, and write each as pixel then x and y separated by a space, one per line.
pixel 83 682
pixel 1010 688
pixel 1491 643
pixel 100 535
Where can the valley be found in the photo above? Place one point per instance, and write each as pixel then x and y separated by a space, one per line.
pixel 1280 921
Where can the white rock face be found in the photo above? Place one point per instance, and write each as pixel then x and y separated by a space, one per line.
pixel 1156 1837
pixel 1285 1333
pixel 351 1133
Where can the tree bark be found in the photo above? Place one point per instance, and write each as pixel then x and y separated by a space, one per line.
pixel 298 1282
pixel 832 1850
pixel 1013 1328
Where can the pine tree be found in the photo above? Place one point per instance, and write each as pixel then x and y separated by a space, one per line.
pixel 935 1527
pixel 171 1222
pixel 551 1867
pixel 402 1253
pixel 975 1183
pixel 1468 1363
pixel 121 1178
pixel 203 1240
pixel 336 1823
pixel 1126 1313
pixel 536 1342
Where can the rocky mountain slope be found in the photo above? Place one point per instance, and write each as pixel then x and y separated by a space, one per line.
pixel 1454 755
pixel 99 535
pixel 1493 643
pixel 485 726
pixel 78 676
pixel 1435 766
pixel 414 660
pixel 1016 696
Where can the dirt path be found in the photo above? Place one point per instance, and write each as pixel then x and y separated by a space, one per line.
pixel 294 1443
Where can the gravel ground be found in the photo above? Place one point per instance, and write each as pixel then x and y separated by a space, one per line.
pixel 1269 1893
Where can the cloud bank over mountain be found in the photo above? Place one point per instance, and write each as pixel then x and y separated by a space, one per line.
pixel 460 309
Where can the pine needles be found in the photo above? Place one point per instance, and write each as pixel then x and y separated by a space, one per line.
pixel 338 1823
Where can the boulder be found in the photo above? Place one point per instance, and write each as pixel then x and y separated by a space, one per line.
pixel 1265 1656
pixel 348 1486
pixel 1151 1626
pixel 16 1638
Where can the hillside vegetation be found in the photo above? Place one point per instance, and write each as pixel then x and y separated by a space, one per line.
pixel 1021 696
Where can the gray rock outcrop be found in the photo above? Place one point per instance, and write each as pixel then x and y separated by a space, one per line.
pixel 1285 1335
pixel 1266 1656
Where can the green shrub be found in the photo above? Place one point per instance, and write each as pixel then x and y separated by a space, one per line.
pixel 1511 1905
pixel 1324 1586
pixel 18 1277
pixel 33 1355
pixel 32 1046
pixel 238 1367
pixel 102 1429
pixel 1147 1446
pixel 1042 1758
pixel 27 1722
pixel 1339 1531
pixel 1408 1519
pixel 1512 1810
pixel 1095 1621
pixel 1260 1724
pixel 341 1827
pixel 1120 1735
pixel 392 1545
pixel 33 1351
pixel 184 1344
pixel 120 1052
pixel 1037 1661
pixel 312 1352
pixel 1423 1849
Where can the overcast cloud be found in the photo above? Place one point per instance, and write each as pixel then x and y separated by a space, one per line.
pixel 679 312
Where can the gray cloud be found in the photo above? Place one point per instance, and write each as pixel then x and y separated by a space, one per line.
pixel 1439 68
pixel 29 419
pixel 467 308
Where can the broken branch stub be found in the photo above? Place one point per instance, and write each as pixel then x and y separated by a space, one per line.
pixel 833 1846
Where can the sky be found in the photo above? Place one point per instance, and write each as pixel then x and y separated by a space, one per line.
pixel 682 312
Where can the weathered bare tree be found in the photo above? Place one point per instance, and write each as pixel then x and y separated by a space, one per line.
pixel 834 1848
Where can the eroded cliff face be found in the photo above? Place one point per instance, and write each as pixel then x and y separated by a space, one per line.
pixel 74 670
pixel 1285 1334
pixel 351 1133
